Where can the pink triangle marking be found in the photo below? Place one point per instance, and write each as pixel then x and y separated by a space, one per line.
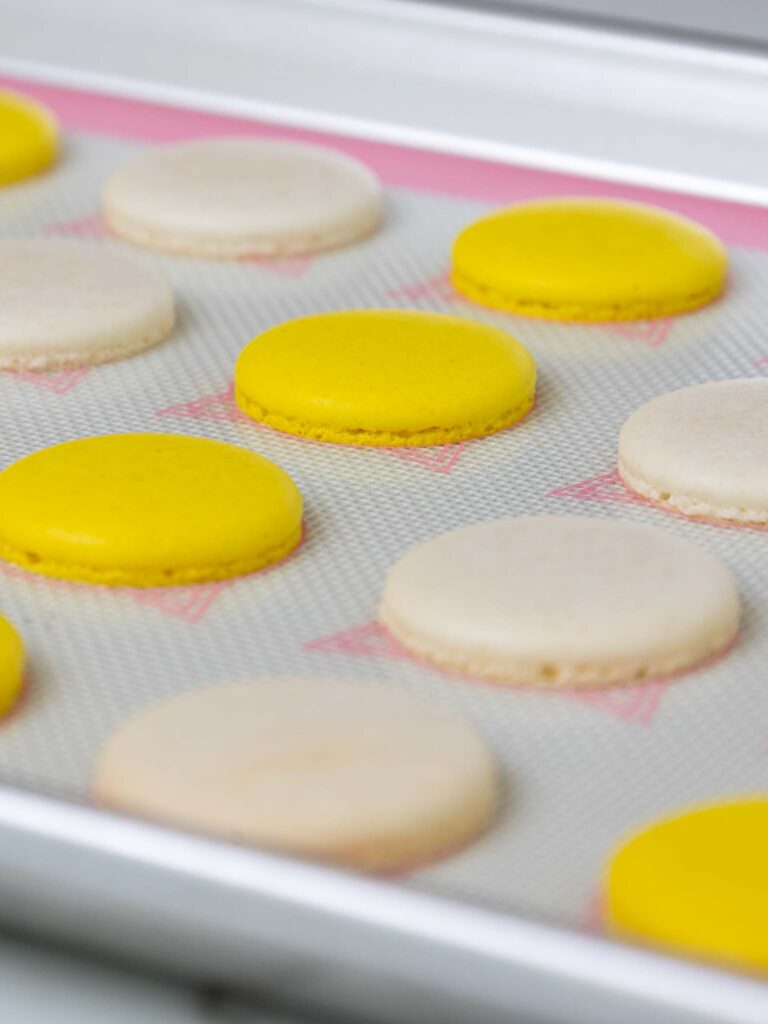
pixel 285 266
pixel 369 640
pixel 439 459
pixel 762 362
pixel 636 703
pixel 594 913
pixel 437 289
pixel 189 604
pixel 650 332
pixel 605 487
pixel 91 226
pixel 59 382
pixel 222 406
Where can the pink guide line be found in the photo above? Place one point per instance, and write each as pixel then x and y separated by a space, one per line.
pixel 470 177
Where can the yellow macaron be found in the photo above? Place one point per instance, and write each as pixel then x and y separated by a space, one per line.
pixel 29 137
pixel 696 882
pixel 385 377
pixel 11 665
pixel 589 260
pixel 146 510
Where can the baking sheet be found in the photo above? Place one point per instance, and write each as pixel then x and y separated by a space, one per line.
pixel 579 769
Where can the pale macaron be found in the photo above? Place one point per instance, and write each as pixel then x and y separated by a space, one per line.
pixel 702 450
pixel 385 377
pixel 362 775
pixel 28 137
pixel 237 197
pixel 588 259
pixel 694 883
pixel 559 601
pixel 146 510
pixel 69 303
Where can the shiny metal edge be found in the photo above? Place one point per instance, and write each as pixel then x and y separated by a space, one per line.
pixel 312 936
pixel 596 102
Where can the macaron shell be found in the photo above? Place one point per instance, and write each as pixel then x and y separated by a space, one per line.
pixel 589 260
pixel 558 601
pixel 385 377
pixel 229 198
pixel 11 665
pixel 702 450
pixel 66 303
pixel 362 775
pixel 695 883
pixel 29 138
pixel 146 510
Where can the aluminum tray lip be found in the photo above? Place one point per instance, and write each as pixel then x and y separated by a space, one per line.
pixel 708 67
pixel 513 941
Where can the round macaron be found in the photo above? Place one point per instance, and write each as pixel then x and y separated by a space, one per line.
pixel 560 601
pixel 702 450
pixel 229 198
pixel 70 303
pixel 695 883
pixel 588 259
pixel 365 776
pixel 385 377
pixel 11 665
pixel 28 137
pixel 146 510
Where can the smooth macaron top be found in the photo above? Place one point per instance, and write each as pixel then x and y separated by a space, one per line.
pixel 561 601
pixel 588 259
pixel 702 450
pixel 71 303
pixel 695 882
pixel 385 377
pixel 364 775
pixel 146 510
pixel 238 197
pixel 28 137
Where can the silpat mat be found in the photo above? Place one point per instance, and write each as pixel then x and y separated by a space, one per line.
pixel 580 769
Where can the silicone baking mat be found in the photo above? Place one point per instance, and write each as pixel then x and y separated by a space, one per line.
pixel 579 769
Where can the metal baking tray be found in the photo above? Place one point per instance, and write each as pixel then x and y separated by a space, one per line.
pixel 510 926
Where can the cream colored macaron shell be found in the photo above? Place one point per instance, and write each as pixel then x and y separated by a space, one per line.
pixel 702 450
pixel 366 776
pixel 561 601
pixel 229 198
pixel 69 303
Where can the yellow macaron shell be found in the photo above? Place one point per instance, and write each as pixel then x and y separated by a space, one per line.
pixel 28 137
pixel 385 377
pixel 589 260
pixel 697 883
pixel 11 665
pixel 146 510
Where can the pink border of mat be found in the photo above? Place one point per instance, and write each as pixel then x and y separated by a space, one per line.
pixel 469 177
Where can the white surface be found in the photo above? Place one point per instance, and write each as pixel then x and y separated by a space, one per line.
pixel 364 776
pixel 574 99
pixel 242 197
pixel 702 450
pixel 65 303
